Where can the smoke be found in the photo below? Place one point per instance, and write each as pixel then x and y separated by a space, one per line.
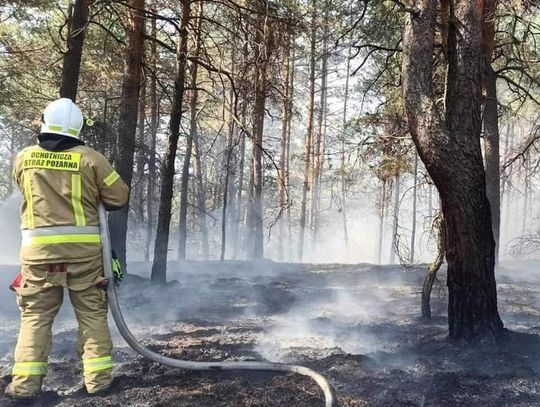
pixel 10 238
pixel 361 311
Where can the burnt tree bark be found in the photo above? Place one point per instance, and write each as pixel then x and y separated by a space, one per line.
pixel 491 121
pixel 138 188
pixel 415 201
pixel 151 188
pixel 263 50
pixel 184 181
pixel 285 143
pixel 382 210
pixel 200 193
pixel 319 142
pixel 71 65
pixel 343 169
pixel 159 266
pixel 438 225
pixel 492 154
pixel 449 145
pixel 127 121
pixel 394 249
pixel 309 133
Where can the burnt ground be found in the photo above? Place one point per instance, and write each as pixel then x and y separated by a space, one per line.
pixel 358 325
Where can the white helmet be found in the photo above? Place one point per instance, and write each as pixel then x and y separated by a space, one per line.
pixel 62 117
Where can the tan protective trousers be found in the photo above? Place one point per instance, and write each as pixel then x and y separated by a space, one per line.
pixel 39 298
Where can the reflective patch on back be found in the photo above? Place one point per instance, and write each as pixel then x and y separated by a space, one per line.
pixel 62 161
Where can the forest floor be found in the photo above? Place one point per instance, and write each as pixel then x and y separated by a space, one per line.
pixel 358 325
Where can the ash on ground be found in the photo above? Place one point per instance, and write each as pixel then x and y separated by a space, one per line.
pixel 359 325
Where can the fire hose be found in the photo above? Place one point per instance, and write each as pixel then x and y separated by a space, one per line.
pixel 329 394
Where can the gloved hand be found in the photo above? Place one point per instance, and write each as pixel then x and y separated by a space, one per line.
pixel 117 269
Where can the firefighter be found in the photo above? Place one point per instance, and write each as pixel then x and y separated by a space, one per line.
pixel 62 182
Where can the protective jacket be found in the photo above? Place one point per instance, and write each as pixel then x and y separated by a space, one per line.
pixel 62 182
pixel 61 194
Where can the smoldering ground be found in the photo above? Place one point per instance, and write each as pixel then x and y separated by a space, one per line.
pixel 359 325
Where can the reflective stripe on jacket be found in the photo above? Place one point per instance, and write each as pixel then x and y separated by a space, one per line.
pixel 61 193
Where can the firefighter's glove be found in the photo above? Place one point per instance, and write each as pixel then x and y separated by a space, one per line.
pixel 117 269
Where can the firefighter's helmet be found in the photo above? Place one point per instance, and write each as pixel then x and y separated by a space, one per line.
pixel 62 117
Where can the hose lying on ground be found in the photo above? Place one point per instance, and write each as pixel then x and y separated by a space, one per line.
pixel 329 395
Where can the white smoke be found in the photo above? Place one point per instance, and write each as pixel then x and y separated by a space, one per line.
pixel 10 236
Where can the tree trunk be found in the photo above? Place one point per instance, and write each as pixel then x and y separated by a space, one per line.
pixel 506 190
pixel 526 192
pixel 71 65
pixel 138 189
pixel 492 156
pixel 151 188
pixel 430 200
pixel 159 266
pixel 318 158
pixel 449 146
pixel 438 225
pixel 343 170
pixel 309 134
pixel 288 147
pixel 491 122
pixel 282 185
pixel 415 192
pixel 200 193
pixel 263 50
pixel 228 155
pixel 229 193
pixel 184 190
pixel 127 121
pixel 394 249
pixel 241 163
pixel 381 221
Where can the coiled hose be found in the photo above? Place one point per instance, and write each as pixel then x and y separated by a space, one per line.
pixel 329 394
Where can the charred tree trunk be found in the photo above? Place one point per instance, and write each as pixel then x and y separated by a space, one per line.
pixel 438 225
pixel 241 162
pixel 491 122
pixel 229 211
pixel 71 65
pixel 449 146
pixel 319 145
pixel 228 191
pixel 415 193
pixel 282 185
pixel 127 122
pixel 263 50
pixel 430 200
pixel 526 191
pixel 395 222
pixel 382 207
pixel 138 190
pixel 226 194
pixel 184 180
pixel 504 185
pixel 343 169
pixel 200 193
pixel 151 188
pixel 309 134
pixel 288 147
pixel 256 208
pixel 159 266
pixel 184 190
pixel 492 155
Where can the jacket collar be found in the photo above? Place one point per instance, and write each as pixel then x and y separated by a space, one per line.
pixel 56 142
